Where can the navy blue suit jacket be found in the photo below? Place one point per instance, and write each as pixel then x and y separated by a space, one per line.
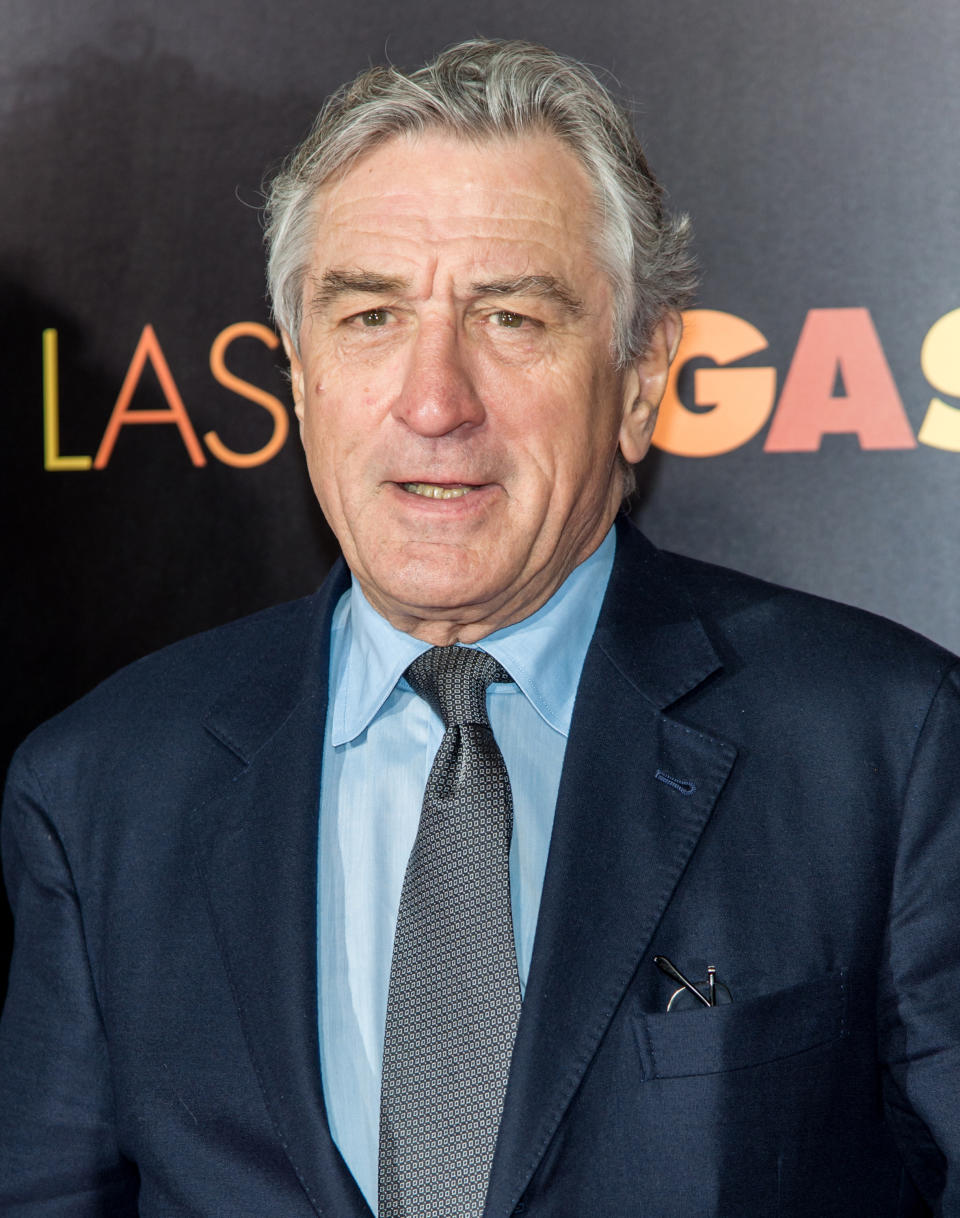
pixel 754 778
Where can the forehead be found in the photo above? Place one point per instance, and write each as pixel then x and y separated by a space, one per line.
pixel 514 200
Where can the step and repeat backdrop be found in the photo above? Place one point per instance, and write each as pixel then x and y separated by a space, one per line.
pixel 152 481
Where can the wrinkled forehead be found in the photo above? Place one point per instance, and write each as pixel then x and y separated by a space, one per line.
pixel 521 201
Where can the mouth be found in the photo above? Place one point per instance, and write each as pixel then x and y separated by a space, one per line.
pixel 438 490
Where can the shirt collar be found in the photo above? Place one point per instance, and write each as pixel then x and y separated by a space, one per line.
pixel 544 653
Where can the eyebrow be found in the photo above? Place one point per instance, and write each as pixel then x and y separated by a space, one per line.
pixel 337 283
pixel 547 286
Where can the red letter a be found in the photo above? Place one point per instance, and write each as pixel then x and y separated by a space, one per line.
pixel 843 340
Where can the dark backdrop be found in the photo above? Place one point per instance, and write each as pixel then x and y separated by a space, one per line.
pixel 815 145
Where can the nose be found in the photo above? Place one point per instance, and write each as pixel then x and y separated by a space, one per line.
pixel 438 396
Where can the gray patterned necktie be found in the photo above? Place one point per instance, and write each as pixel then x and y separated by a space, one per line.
pixel 454 997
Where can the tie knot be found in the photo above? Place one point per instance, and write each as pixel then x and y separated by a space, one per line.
pixel 454 681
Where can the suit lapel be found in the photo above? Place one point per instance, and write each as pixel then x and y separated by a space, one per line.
pixel 636 791
pixel 257 854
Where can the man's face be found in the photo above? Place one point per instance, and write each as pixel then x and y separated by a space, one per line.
pixel 457 397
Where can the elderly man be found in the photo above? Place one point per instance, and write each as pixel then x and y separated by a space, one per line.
pixel 524 868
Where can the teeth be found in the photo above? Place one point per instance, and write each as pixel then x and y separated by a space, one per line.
pixel 431 491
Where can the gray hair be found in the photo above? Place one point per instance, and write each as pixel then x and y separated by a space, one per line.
pixel 482 89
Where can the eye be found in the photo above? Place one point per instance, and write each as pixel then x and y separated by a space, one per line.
pixel 373 317
pixel 508 319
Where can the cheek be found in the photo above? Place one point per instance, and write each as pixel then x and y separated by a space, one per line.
pixel 350 394
pixel 565 425
pixel 342 438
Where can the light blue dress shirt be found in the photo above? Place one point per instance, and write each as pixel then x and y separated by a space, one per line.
pixel 380 742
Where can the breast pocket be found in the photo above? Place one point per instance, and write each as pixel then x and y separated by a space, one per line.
pixel 741 1034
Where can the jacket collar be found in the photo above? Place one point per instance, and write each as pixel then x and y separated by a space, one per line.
pixel 293 669
pixel 649 627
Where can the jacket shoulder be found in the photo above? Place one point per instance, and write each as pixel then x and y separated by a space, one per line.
pixel 176 684
pixel 800 633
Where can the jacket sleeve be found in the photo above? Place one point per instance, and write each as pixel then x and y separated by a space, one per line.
pixel 58 1145
pixel 919 1016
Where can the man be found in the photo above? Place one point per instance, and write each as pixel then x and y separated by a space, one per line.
pixel 271 954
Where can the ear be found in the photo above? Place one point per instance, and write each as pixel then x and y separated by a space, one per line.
pixel 643 387
pixel 296 375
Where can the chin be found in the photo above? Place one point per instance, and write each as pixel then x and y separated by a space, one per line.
pixel 441 597
pixel 442 588
pixel 444 579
